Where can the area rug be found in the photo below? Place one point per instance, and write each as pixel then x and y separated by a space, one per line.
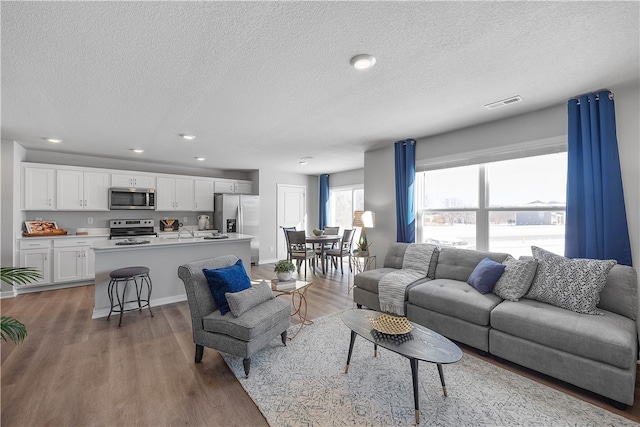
pixel 304 384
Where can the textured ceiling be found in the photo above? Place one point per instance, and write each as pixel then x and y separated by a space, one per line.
pixel 262 84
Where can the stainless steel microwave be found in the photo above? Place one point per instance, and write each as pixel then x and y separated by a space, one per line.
pixel 132 198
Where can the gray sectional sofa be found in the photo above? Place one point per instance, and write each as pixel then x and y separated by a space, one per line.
pixel 597 352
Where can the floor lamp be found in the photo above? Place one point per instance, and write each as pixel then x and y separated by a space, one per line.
pixel 364 219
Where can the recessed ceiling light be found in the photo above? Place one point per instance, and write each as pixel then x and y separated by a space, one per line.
pixel 363 62
pixel 201 159
pixel 187 136
pixel 303 162
pixel 137 150
pixel 54 140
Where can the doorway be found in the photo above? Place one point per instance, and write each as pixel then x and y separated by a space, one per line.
pixel 291 212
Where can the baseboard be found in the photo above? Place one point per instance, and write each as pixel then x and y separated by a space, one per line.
pixel 30 289
pixel 267 261
pixel 104 312
pixel 8 294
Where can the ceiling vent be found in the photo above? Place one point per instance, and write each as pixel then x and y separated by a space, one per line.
pixel 504 102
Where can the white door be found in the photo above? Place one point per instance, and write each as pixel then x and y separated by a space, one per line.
pixel 184 194
pixel 39 189
pixel 166 194
pixel 67 264
pixel 292 212
pixel 38 259
pixel 203 195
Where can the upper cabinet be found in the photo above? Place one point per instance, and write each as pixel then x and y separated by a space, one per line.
pixel 132 181
pixel 232 186
pixel 203 195
pixel 38 188
pixel 174 194
pixel 78 190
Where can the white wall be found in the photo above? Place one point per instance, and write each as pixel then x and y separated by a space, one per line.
pixel 346 178
pixel 539 125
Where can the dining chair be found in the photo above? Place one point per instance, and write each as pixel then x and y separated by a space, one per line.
pixel 299 251
pixel 286 239
pixel 343 250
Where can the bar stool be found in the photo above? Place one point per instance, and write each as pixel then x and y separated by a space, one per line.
pixel 140 276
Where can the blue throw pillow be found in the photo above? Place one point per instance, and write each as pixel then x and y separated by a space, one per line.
pixel 227 279
pixel 486 274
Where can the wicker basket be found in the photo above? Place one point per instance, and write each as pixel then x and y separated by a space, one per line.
pixel 391 325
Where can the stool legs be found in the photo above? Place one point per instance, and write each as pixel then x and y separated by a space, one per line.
pixel 119 300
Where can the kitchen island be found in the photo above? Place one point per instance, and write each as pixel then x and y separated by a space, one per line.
pixel 162 256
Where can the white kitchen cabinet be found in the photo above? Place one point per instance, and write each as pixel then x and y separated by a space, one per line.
pixel 38 189
pixel 132 181
pixel 174 194
pixel 243 187
pixel 73 260
pixel 78 190
pixel 232 187
pixel 37 254
pixel 203 195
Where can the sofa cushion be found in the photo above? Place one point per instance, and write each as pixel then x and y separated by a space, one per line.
pixel 395 255
pixel 484 277
pixel 368 280
pixel 226 279
pixel 457 264
pixel 620 294
pixel 252 323
pixel 608 338
pixel 517 278
pixel 239 302
pixel 573 284
pixel 454 298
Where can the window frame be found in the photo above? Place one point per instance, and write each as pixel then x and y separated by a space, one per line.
pixel 483 211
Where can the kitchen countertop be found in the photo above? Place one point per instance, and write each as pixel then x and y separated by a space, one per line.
pixel 171 240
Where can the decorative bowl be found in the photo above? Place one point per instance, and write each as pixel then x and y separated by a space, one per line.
pixel 318 232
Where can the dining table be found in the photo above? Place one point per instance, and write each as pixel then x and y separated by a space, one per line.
pixel 322 241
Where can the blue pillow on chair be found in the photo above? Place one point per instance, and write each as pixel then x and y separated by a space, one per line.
pixel 227 279
pixel 486 274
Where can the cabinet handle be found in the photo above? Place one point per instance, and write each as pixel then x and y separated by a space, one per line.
pixel 49 202
pixel 45 257
pixel 135 182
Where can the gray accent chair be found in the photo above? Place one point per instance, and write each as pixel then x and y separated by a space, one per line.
pixel 240 336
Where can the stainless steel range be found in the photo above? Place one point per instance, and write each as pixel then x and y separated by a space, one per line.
pixel 127 228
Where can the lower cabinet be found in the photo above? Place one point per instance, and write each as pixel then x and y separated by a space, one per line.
pixel 59 261
pixel 73 260
pixel 37 255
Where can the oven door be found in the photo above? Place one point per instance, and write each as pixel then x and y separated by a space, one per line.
pixel 131 198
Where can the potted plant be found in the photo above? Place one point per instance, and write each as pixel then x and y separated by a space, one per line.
pixel 363 246
pixel 11 328
pixel 284 269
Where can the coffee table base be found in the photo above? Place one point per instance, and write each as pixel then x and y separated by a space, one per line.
pixel 414 374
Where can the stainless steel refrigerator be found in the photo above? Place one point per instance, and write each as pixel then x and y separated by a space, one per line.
pixel 238 213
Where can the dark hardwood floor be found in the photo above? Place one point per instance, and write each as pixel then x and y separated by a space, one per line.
pixel 72 370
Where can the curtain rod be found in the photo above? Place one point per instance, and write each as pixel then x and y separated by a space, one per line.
pixel 597 98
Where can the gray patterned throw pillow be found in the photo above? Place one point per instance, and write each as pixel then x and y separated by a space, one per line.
pixel 240 302
pixel 572 284
pixel 516 279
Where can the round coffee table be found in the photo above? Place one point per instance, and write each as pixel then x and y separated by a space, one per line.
pixel 419 344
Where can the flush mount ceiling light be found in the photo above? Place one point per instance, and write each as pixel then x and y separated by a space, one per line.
pixel 201 159
pixel 187 136
pixel 54 140
pixel 137 150
pixel 363 62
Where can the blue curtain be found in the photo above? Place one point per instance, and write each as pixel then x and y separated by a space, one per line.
pixel 323 214
pixel 405 155
pixel 596 225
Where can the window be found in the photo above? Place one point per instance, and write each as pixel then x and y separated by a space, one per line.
pixel 343 202
pixel 504 206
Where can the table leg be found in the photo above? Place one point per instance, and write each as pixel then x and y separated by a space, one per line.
pixel 444 387
pixel 353 340
pixel 300 309
pixel 414 377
